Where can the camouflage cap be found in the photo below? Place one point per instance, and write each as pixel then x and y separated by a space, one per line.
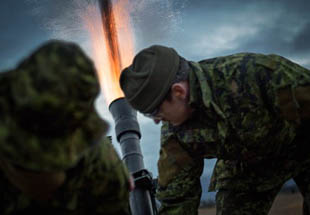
pixel 47 114
pixel 147 81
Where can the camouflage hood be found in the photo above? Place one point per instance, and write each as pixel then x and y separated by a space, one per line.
pixel 47 115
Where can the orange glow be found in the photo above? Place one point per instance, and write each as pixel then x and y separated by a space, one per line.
pixel 109 67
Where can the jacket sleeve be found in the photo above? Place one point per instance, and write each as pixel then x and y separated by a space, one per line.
pixel 291 89
pixel 179 188
pixel 294 103
pixel 107 188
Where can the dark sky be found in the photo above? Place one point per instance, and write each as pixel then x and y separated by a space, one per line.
pixel 208 28
pixel 20 31
pixel 197 29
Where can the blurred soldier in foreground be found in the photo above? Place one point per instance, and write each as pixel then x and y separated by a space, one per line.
pixel 54 156
pixel 250 111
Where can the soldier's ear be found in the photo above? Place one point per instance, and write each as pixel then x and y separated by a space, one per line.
pixel 179 90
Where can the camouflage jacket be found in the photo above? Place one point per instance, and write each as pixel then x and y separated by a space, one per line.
pixel 99 184
pixel 248 110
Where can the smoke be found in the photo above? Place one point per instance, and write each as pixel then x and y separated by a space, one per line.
pixel 62 19
pixel 153 20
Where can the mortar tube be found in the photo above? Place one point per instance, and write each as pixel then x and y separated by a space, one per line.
pixel 128 135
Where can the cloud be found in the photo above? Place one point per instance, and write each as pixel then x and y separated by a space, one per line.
pixel 301 41
pixel 20 33
pixel 214 28
pixel 156 20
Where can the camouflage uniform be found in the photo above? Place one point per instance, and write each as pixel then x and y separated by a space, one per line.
pixel 98 184
pixel 251 113
pixel 48 123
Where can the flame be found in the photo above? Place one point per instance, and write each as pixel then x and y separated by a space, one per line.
pixel 109 66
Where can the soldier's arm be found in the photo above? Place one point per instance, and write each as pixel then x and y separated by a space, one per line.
pixel 179 188
pixel 295 103
pixel 109 183
pixel 290 86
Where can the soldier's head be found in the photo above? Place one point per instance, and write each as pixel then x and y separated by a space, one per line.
pixel 47 117
pixel 156 84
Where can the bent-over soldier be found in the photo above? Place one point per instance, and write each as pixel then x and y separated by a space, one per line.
pixel 250 111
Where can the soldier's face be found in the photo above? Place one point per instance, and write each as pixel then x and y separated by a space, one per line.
pixel 176 109
pixel 38 185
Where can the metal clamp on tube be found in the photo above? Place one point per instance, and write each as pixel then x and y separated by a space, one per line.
pixel 128 135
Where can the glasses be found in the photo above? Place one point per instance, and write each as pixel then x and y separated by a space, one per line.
pixel 152 115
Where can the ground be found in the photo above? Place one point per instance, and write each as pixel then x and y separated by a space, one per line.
pixel 285 204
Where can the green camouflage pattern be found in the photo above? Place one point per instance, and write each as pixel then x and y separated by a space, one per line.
pixel 98 184
pixel 47 115
pixel 251 113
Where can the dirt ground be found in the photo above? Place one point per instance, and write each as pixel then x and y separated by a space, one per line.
pixel 285 204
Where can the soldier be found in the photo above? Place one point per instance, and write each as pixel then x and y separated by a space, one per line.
pixel 250 111
pixel 54 156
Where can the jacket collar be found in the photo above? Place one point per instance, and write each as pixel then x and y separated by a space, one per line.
pixel 200 89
